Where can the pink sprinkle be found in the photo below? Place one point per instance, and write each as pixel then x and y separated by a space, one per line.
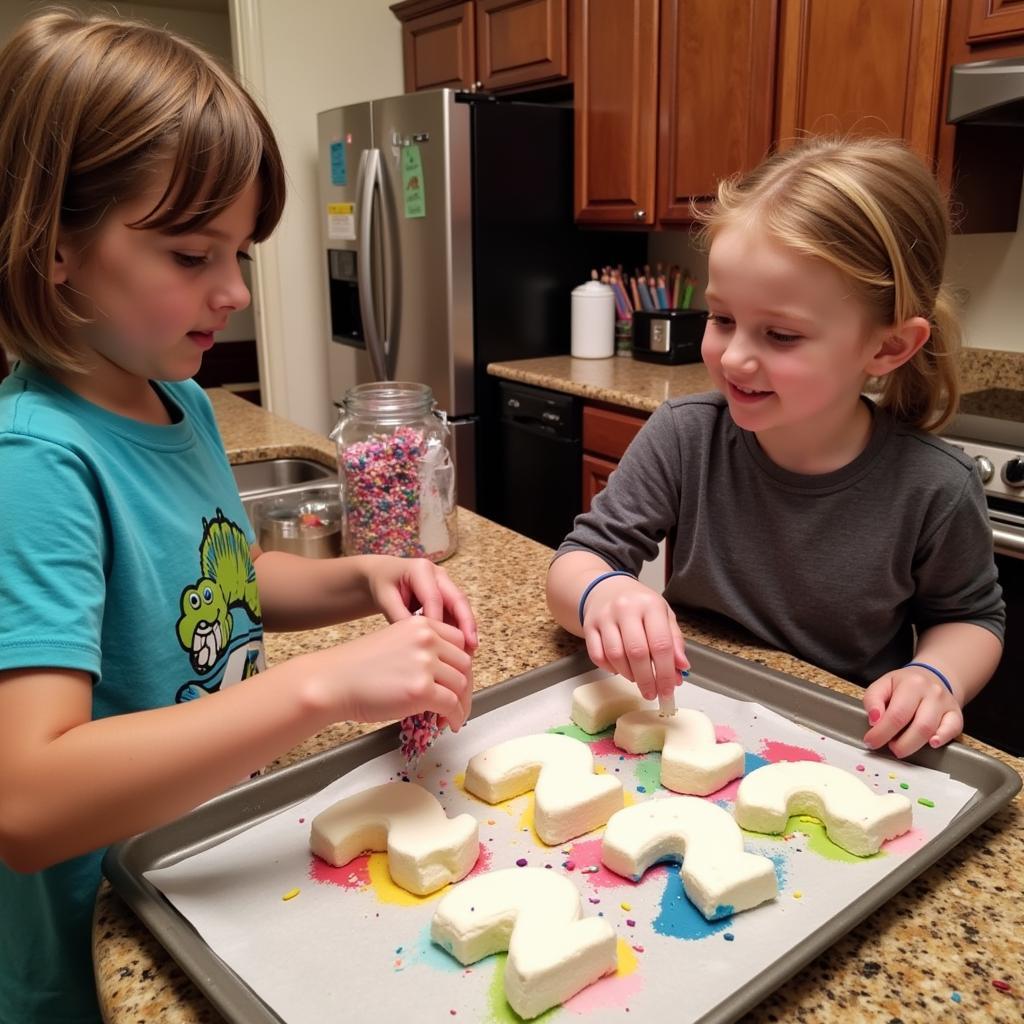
pixel 630 923
pixel 639 949
pixel 569 865
pixel 860 767
pixel 301 820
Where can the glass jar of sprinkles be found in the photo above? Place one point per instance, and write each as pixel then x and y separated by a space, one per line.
pixel 396 473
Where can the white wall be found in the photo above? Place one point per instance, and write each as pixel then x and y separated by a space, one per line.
pixel 987 272
pixel 299 59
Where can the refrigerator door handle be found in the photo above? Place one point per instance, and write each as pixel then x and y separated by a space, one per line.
pixel 369 185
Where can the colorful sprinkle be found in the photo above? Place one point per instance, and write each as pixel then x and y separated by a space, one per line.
pixel 416 733
pixel 569 865
pixel 860 767
pixel 625 906
pixel 892 775
pixel 1003 986
pixel 638 949
pixel 728 936
pixel 630 923
pixel 955 996
pixel 592 869
pixel 798 895
pixel 290 894
pixel 925 802
pixel 904 785
pixel 522 862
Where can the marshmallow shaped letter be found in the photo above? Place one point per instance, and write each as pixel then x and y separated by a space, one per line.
pixel 692 761
pixel 597 705
pixel 553 951
pixel 570 799
pixel 855 818
pixel 719 876
pixel 426 849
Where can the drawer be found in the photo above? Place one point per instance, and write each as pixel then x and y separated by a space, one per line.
pixel 607 432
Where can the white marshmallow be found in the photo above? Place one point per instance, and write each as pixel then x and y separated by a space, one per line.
pixel 553 952
pixel 855 818
pixel 570 800
pixel 426 849
pixel 692 761
pixel 719 876
pixel 597 705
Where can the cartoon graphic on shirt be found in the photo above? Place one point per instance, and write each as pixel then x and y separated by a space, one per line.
pixel 227 586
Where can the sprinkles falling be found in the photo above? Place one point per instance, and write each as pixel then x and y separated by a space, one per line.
pixel 416 733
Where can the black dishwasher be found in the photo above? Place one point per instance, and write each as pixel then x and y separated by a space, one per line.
pixel 539 475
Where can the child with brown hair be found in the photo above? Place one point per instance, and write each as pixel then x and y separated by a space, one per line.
pixel 136 177
pixel 829 525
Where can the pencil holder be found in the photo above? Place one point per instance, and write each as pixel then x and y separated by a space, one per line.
pixel 668 335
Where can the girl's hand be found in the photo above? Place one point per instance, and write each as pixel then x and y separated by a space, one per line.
pixel 411 666
pixel 631 630
pixel 401 586
pixel 913 706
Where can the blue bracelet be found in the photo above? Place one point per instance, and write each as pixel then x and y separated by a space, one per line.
pixel 594 582
pixel 931 668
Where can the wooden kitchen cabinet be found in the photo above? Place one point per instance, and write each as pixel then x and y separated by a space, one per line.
pixel 716 102
pixel 982 165
pixel 595 477
pixel 521 42
pixel 606 436
pixel 615 98
pixel 483 44
pixel 858 68
pixel 995 21
pixel 670 97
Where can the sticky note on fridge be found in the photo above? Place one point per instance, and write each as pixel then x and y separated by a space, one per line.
pixel 413 191
pixel 339 169
pixel 341 221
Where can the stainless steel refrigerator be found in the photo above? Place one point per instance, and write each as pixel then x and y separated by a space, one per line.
pixel 449 243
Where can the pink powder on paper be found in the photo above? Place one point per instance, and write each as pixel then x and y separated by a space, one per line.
pixel 909 842
pixel 774 750
pixel 353 875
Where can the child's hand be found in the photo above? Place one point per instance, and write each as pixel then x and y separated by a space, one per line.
pixel 913 706
pixel 631 630
pixel 401 586
pixel 411 666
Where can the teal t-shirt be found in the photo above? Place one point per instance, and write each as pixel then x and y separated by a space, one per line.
pixel 124 553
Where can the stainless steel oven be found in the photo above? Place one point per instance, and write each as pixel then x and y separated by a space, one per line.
pixel 990 428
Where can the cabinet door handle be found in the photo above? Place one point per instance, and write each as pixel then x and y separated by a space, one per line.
pixel 639 214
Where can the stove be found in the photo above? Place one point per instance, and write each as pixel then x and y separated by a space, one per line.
pixel 990 429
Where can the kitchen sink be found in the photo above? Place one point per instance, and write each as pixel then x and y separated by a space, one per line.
pixel 275 491
pixel 273 475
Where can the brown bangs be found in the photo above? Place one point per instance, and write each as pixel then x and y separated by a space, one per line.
pixel 223 145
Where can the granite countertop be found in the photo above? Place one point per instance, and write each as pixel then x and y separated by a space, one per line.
pixel 644 386
pixel 954 929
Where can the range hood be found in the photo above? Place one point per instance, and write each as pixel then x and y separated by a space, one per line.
pixel 987 92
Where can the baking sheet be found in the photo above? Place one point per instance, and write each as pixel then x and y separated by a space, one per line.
pixel 350 937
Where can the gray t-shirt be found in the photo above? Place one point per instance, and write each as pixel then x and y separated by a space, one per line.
pixel 837 568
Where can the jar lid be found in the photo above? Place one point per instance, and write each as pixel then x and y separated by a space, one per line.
pixel 593 290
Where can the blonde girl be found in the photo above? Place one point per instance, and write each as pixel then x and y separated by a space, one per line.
pixel 828 524
pixel 137 175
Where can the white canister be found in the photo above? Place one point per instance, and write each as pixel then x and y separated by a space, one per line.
pixel 593 321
